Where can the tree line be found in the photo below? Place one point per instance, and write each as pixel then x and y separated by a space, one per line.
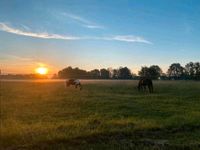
pixel 191 71
pixel 121 73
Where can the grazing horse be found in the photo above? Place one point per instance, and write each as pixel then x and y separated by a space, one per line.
pixel 145 82
pixel 75 82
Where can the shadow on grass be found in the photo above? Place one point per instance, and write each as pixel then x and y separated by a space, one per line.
pixel 151 139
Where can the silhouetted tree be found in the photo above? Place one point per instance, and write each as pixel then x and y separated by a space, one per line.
pixel 176 71
pixel 155 71
pixel 124 73
pixel 144 72
pixel 197 70
pixel 104 73
pixel 115 73
pixel 69 72
pixel 193 70
pixel 95 74
pixel 190 70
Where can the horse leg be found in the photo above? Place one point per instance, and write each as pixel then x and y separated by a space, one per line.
pixel 142 88
pixel 80 86
pixel 150 88
pixel 139 87
pixel 145 88
pixel 67 84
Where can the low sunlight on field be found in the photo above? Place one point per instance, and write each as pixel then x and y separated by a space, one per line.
pixel 103 115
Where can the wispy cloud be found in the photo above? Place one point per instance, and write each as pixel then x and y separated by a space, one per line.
pixel 130 38
pixel 84 22
pixel 93 26
pixel 122 38
pixel 44 35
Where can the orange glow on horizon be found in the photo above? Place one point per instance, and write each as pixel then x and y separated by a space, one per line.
pixel 42 70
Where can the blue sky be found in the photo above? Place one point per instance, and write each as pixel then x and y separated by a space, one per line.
pixel 97 33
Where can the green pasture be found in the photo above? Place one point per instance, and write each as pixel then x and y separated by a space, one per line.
pixel 106 114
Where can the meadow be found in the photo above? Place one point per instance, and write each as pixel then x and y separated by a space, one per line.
pixel 39 115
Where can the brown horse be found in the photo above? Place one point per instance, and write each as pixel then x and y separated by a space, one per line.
pixel 74 82
pixel 145 82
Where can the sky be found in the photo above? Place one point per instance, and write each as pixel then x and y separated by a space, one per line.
pixel 98 34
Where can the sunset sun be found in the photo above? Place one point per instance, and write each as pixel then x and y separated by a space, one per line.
pixel 41 70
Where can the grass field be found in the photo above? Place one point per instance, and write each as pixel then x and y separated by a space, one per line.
pixel 104 115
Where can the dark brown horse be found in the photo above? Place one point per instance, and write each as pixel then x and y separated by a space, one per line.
pixel 74 82
pixel 145 82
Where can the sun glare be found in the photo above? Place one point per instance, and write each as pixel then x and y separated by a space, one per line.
pixel 42 70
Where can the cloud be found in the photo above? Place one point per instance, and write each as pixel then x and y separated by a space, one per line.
pixel 84 22
pixel 122 38
pixel 77 18
pixel 44 35
pixel 93 26
pixel 130 38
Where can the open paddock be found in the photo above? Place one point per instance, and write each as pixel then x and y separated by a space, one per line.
pixel 106 114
